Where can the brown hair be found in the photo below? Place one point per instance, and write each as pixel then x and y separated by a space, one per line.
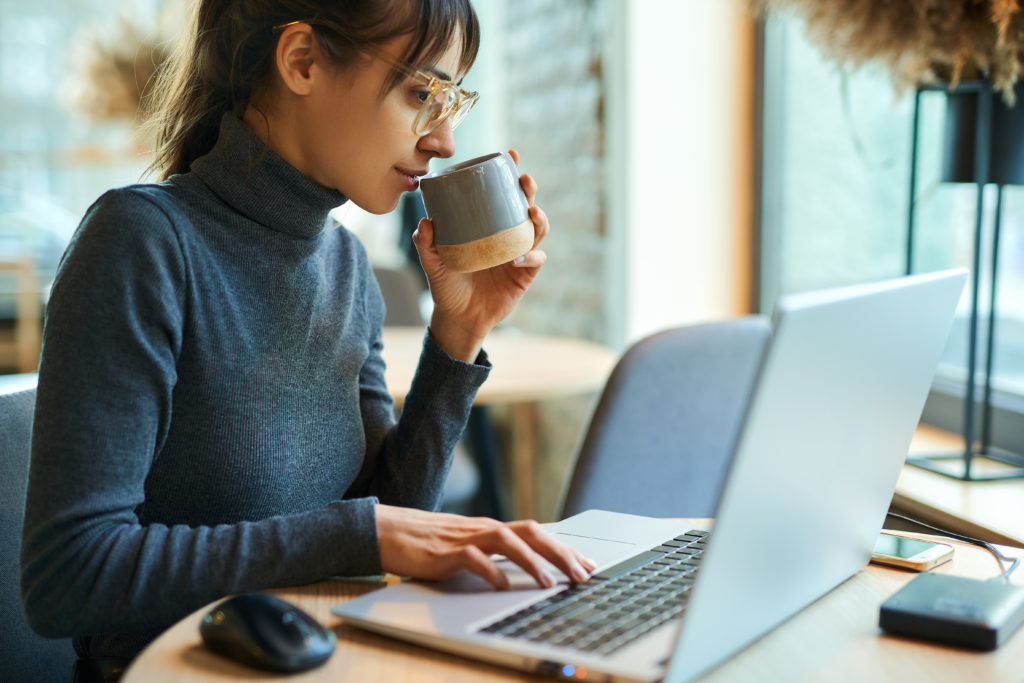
pixel 227 54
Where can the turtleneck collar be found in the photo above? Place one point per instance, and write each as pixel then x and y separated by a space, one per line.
pixel 255 181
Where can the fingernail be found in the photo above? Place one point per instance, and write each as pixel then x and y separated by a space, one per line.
pixel 547 579
pixel 589 563
pixel 579 573
pixel 520 259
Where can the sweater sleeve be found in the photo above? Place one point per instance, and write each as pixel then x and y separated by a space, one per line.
pixel 112 337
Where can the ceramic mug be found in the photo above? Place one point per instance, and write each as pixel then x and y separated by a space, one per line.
pixel 480 213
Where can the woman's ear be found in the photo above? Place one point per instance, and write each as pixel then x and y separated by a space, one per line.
pixel 297 53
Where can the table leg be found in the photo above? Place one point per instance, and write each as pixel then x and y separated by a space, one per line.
pixel 523 437
pixel 487 453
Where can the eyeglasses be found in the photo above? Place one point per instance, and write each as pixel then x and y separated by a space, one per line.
pixel 443 100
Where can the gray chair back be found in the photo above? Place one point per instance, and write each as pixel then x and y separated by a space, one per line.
pixel 662 434
pixel 401 288
pixel 24 656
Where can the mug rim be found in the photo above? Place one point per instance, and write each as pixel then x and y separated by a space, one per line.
pixel 458 168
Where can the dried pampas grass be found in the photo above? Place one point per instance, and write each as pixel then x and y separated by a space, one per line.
pixel 919 41
pixel 112 70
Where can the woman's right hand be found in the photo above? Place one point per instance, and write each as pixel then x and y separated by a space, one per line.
pixel 435 545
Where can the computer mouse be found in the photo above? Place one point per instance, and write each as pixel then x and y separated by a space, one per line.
pixel 265 632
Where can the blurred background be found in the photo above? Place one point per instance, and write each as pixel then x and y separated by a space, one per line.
pixel 695 161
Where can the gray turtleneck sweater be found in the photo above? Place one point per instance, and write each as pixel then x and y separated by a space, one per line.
pixel 211 415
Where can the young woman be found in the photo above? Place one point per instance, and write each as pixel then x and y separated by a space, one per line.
pixel 211 415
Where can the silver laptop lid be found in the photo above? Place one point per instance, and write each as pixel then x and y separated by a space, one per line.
pixel 834 410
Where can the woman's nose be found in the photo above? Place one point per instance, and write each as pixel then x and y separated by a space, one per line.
pixel 439 142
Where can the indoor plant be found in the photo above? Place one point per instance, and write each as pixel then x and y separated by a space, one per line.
pixel 920 42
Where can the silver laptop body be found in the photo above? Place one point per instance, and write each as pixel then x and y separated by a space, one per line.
pixel 837 399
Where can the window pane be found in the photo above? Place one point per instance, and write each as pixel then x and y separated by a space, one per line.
pixel 837 181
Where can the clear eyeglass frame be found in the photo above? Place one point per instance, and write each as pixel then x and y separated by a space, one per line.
pixel 445 101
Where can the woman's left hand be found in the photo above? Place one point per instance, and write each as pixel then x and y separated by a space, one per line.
pixel 468 305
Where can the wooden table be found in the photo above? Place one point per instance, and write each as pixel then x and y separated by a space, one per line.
pixel 834 639
pixel 528 368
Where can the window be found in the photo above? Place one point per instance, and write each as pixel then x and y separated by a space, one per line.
pixel 835 181
pixel 54 161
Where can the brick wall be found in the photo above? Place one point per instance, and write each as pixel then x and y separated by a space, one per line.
pixel 553 71
pixel 554 92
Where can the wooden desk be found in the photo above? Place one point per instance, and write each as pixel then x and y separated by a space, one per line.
pixel 835 639
pixel 528 368
pixel 991 510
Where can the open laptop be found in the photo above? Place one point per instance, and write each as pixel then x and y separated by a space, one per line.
pixel 827 428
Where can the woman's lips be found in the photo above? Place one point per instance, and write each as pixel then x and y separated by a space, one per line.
pixel 410 179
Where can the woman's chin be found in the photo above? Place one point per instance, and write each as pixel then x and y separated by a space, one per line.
pixel 376 205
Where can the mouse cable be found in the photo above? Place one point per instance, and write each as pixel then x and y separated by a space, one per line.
pixel 1000 558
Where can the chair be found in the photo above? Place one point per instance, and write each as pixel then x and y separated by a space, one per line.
pixel 24 656
pixel 660 439
pixel 401 288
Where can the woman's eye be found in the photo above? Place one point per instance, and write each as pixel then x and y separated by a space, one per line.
pixel 421 96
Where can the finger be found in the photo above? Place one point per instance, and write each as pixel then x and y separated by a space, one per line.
pixel 558 554
pixel 531 259
pixel 515 156
pixel 477 561
pixel 541 225
pixel 529 186
pixel 423 236
pixel 423 240
pixel 510 544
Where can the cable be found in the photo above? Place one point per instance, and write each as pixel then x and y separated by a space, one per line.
pixel 1000 558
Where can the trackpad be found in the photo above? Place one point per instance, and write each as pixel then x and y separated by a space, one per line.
pixel 600 550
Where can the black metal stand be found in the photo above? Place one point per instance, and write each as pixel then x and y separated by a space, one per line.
pixel 982 148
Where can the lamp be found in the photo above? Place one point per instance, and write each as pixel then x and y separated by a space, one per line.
pixel 984 144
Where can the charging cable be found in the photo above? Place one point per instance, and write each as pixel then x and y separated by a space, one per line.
pixel 1000 558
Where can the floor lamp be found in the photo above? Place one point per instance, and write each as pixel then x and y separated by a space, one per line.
pixel 984 155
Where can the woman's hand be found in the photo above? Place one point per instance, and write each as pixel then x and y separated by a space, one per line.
pixel 434 545
pixel 468 305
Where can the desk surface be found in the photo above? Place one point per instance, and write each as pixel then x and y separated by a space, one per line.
pixel 835 639
pixel 527 367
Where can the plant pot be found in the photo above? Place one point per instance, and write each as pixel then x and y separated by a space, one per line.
pixel 1006 149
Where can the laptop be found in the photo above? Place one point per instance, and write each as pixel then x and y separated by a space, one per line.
pixel 837 398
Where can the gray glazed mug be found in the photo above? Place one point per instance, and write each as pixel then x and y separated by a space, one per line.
pixel 480 213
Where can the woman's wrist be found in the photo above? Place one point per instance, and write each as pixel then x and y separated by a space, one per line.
pixel 459 343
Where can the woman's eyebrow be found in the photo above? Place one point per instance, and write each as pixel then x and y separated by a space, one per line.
pixel 440 74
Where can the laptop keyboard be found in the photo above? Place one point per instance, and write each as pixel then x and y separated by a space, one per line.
pixel 617 605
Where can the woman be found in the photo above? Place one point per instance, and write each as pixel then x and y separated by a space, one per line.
pixel 211 415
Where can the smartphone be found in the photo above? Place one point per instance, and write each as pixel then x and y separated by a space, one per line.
pixel 910 553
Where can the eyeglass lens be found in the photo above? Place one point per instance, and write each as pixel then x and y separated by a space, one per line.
pixel 446 103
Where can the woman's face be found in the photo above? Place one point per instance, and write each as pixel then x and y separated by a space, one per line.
pixel 362 144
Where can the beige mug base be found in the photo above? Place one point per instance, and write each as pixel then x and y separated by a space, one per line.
pixel 489 251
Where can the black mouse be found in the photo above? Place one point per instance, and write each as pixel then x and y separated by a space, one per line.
pixel 265 632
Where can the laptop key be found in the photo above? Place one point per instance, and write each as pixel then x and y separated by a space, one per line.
pixel 626 565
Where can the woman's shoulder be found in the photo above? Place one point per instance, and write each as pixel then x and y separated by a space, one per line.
pixel 152 202
pixel 130 220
